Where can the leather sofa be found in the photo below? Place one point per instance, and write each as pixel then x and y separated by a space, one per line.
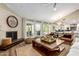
pixel 68 38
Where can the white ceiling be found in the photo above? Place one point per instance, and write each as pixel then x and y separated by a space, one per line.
pixel 43 11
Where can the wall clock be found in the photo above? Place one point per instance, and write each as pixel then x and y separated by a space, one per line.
pixel 12 21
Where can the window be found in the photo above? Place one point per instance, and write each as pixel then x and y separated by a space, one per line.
pixel 50 28
pixel 37 28
pixel 29 29
pixel 73 27
pixel 45 28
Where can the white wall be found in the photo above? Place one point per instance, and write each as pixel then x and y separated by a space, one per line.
pixel 4 13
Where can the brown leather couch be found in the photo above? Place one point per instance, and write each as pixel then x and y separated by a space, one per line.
pixel 68 38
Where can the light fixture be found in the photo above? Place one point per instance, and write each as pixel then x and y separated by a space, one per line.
pixel 54 7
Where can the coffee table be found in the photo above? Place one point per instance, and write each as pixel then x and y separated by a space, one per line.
pixel 47 48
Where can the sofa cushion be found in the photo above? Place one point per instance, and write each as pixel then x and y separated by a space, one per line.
pixel 68 39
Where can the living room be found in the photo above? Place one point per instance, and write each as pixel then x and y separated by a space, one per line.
pixel 44 29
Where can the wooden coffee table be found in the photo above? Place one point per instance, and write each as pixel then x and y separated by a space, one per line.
pixel 47 48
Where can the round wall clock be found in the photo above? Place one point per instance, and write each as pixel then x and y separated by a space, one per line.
pixel 12 21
